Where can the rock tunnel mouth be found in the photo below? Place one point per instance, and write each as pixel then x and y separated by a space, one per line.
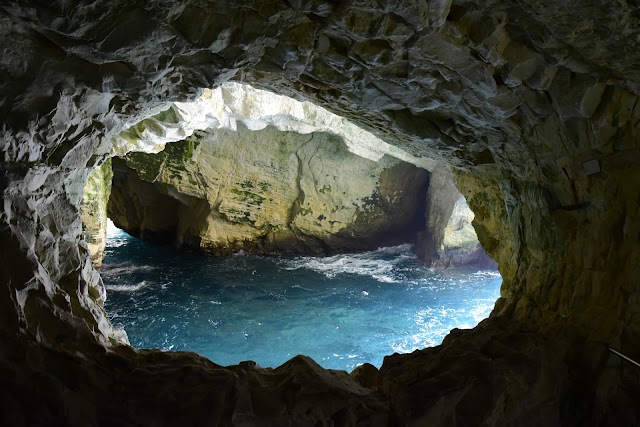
pixel 155 196
pixel 535 104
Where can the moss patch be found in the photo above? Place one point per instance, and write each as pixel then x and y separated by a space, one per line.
pixel 247 197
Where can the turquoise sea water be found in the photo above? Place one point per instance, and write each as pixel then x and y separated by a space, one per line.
pixel 341 310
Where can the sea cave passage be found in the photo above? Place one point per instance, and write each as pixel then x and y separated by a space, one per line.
pixel 248 225
pixel 284 233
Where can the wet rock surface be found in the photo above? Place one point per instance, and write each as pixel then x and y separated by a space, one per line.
pixel 521 100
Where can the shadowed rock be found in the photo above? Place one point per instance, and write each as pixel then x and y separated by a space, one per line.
pixel 515 97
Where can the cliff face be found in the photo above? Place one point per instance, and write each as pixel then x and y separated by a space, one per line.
pixel 459 245
pixel 93 210
pixel 267 191
pixel 534 105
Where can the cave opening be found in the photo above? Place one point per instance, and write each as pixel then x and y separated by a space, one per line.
pixel 326 241
pixel 534 105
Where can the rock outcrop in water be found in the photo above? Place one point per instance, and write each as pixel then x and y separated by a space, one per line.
pixel 533 104
pixel 267 191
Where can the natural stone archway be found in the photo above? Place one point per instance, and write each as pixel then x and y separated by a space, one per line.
pixel 534 105
pixel 264 173
pixel 452 240
pixel 460 245
pixel 237 132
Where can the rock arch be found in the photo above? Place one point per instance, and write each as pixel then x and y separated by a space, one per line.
pixel 533 105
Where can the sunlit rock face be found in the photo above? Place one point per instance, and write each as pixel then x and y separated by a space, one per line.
pixel 534 106
pixel 94 211
pixel 232 103
pixel 267 191
pixel 460 245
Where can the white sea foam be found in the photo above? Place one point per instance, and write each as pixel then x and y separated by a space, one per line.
pixel 128 288
pixel 125 267
pixel 379 264
pixel 434 323
pixel 486 273
pixel 482 311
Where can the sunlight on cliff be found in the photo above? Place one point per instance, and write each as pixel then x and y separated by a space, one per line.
pixel 233 103
pixel 369 250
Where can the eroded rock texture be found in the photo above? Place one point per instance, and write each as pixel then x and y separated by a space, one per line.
pixel 267 191
pixel 234 104
pixel 460 245
pixel 455 244
pixel 521 99
pixel 154 388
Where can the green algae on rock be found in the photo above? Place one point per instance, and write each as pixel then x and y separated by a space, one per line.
pixel 268 191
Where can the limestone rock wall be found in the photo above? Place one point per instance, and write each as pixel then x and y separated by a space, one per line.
pixel 267 191
pixel 460 245
pixel 440 200
pixel 521 99
pixel 93 211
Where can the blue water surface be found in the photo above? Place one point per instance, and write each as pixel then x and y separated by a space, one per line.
pixel 342 310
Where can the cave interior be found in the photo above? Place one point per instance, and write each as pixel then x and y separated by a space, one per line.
pixel 531 107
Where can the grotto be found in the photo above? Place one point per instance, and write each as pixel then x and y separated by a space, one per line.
pixel 315 237
pixel 529 106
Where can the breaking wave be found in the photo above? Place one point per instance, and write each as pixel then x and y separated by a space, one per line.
pixel 380 264
pixel 127 288
pixel 340 310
